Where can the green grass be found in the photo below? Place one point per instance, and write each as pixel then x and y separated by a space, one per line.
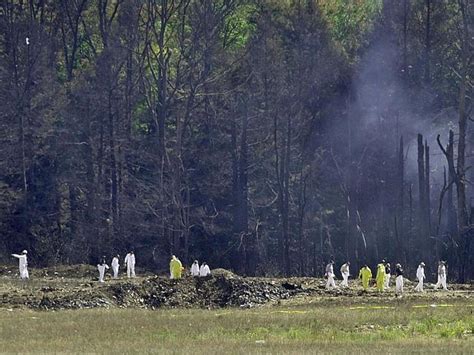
pixel 290 328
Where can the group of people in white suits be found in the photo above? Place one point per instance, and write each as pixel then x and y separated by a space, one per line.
pixel 385 283
pixel 204 270
pixel 101 267
pixel 201 271
pixel 442 276
pixel 129 264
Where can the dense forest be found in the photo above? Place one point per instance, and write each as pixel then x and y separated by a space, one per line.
pixel 263 136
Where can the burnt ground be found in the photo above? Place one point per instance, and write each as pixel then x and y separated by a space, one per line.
pixel 76 286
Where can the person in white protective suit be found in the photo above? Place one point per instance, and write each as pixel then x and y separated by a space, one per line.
pixel 115 265
pixel 102 267
pixel 387 275
pixel 195 268
pixel 398 280
pixel 442 275
pixel 204 270
pixel 130 262
pixel 330 275
pixel 345 274
pixel 420 275
pixel 22 264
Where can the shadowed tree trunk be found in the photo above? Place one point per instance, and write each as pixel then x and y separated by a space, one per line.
pixel 427 191
pixel 401 205
pixel 421 186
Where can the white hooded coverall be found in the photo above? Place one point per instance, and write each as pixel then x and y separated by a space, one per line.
pixel 204 270
pixel 130 261
pixel 399 284
pixel 115 266
pixel 23 265
pixel 330 275
pixel 102 268
pixel 399 281
pixel 195 269
pixel 442 275
pixel 345 275
pixel 387 277
pixel 420 275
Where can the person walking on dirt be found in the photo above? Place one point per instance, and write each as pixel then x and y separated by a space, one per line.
pixel 204 270
pixel 442 276
pixel 330 275
pixel 387 275
pixel 345 274
pixel 398 279
pixel 102 266
pixel 176 268
pixel 22 264
pixel 420 275
pixel 115 265
pixel 130 262
pixel 365 274
pixel 195 268
pixel 380 277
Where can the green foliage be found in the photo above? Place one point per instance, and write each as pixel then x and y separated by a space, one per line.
pixel 239 27
pixel 350 22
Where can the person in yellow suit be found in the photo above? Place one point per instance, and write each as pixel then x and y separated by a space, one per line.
pixel 365 274
pixel 176 268
pixel 380 278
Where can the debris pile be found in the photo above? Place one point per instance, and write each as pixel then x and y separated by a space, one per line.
pixel 223 289
pixel 75 287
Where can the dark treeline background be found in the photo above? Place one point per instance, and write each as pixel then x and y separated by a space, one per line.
pixel 261 136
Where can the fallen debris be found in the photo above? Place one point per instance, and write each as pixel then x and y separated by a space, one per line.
pixel 75 287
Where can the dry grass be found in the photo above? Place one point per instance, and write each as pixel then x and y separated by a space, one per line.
pixel 294 327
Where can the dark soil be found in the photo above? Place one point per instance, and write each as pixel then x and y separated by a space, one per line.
pixel 76 286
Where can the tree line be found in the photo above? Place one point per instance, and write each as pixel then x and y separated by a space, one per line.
pixel 265 137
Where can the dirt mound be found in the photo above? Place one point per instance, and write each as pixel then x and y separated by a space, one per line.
pixel 62 288
pixel 223 291
pixel 210 292
pixel 149 292
pixel 225 273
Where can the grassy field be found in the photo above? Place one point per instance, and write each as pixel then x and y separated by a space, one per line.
pixel 299 326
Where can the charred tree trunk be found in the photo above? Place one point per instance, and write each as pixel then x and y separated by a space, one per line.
pixel 282 160
pixel 401 176
pixel 301 217
pixel 400 227
pixel 427 191
pixel 421 187
pixel 451 210
pixel 410 212
pixel 113 172
pixel 463 218
pixel 461 158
